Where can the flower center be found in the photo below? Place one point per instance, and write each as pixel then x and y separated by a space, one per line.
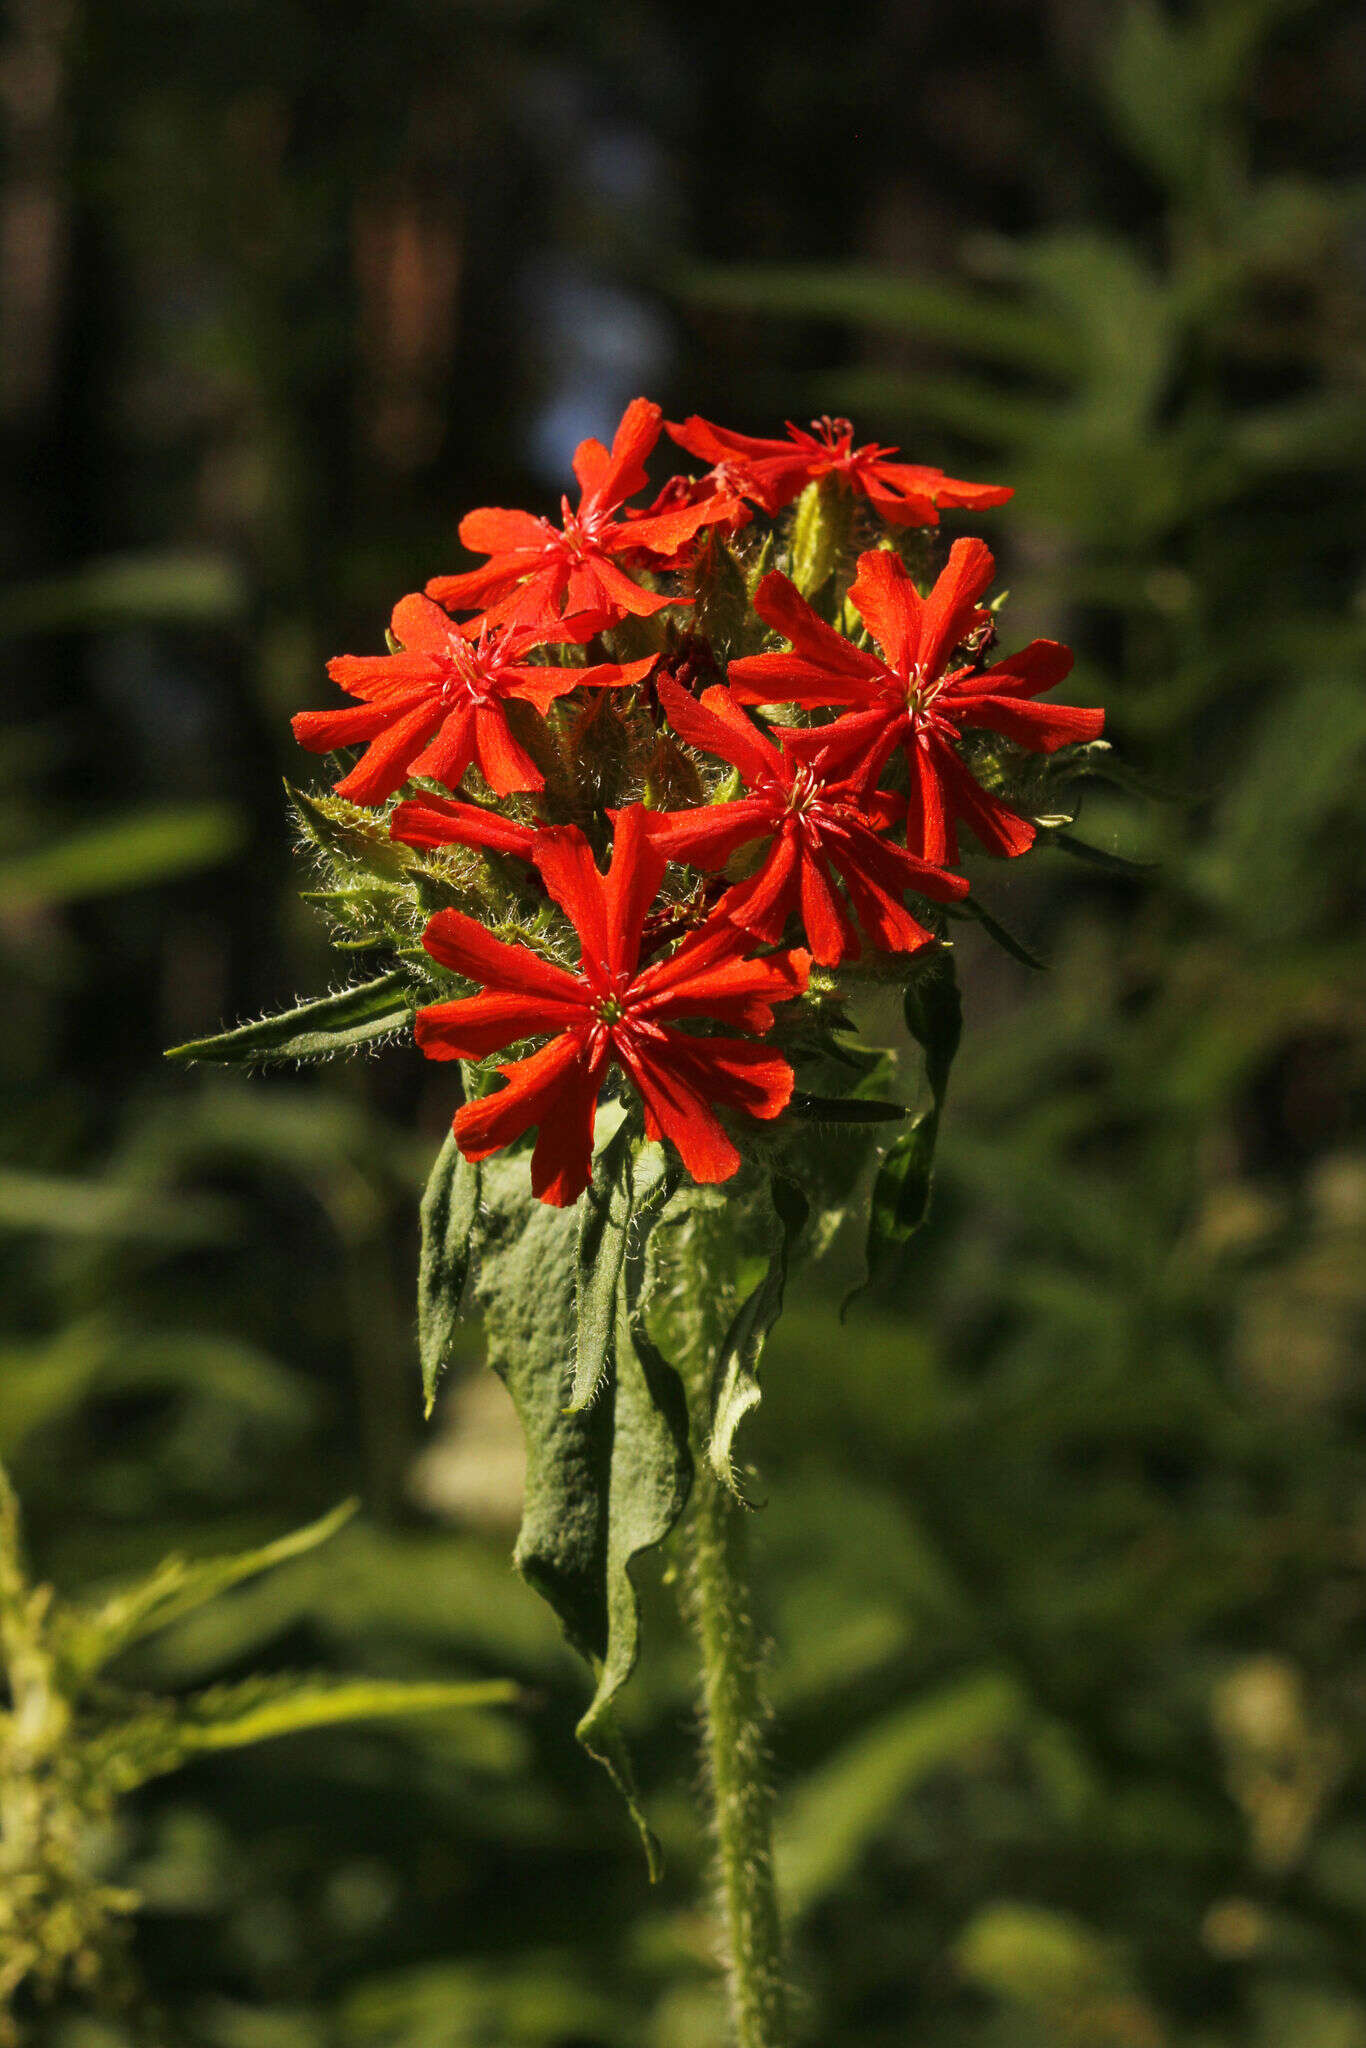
pixel 802 794
pixel 610 1011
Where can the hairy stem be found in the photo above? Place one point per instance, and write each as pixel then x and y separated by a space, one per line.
pixel 734 1718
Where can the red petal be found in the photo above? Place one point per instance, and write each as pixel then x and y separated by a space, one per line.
pixel 434 821
pixel 462 944
pixel 567 868
pixel 951 609
pixel 321 731
pixel 718 725
pixel 419 624
pixel 695 982
pixel 475 587
pixel 532 1088
pixel 447 756
pixel 829 933
pixel 889 605
pixel 929 831
pixel 495 530
pixel 1035 668
pixel 539 685
pixel 1041 727
pixel 589 463
pixel 998 828
pixel 613 675
pixel 708 836
pixel 609 588
pixel 562 1161
pixel 505 766
pixel 382 678
pixel 631 885
pixel 763 903
pixel 474 1026
pixel 625 472
pixel 384 765
pixel 782 605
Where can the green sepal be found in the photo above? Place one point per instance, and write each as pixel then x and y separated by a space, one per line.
pixel 449 1212
pixel 901 1193
pixel 604 1484
pixel 604 1218
pixel 314 1031
pixel 736 1387
pixel 821 528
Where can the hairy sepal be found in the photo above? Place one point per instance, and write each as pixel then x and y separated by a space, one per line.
pixel 736 1390
pixel 356 1016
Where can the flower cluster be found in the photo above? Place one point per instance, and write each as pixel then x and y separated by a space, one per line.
pixel 694 790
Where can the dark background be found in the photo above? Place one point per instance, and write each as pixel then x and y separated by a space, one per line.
pixel 1065 1555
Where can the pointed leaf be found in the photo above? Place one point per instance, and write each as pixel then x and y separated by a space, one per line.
pixel 450 1209
pixel 314 1031
pixel 845 1109
pixel 604 1217
pixel 901 1192
pixel 737 1388
pixel 92 1637
pixel 1000 933
pixel 1097 857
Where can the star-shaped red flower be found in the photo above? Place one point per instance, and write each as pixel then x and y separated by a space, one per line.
pixel 539 572
pixel 438 705
pixel 820 826
pixel 773 472
pixel 910 696
pixel 611 1011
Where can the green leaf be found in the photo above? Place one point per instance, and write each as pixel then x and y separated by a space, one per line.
pixel 901 1192
pixel 450 1209
pixel 130 852
pixel 92 1636
pixel 605 1484
pixel 846 1805
pixel 314 1031
pixel 230 1717
pixel 170 589
pixel 1097 857
pixel 736 1385
pixel 1000 933
pixel 844 1109
pixel 604 1217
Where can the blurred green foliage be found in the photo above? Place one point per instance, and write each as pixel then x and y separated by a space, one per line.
pixel 1063 1553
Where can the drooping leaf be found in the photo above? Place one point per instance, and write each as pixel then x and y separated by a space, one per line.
pixel 736 1385
pixel 314 1031
pixel 604 1218
pixel 92 1637
pixel 901 1192
pixel 604 1484
pixel 450 1208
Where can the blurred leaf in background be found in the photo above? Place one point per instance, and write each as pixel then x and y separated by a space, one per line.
pixel 1063 1547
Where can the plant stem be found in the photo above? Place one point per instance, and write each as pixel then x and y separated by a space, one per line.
pixel 734 1717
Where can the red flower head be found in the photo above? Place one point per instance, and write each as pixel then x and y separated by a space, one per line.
pixel 612 1011
pixel 774 472
pixel 817 823
pixel 438 705
pixel 539 571
pixel 909 696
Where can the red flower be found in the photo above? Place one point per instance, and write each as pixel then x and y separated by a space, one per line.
pixel 817 823
pixel 611 1011
pixel 909 696
pixel 540 571
pixel 774 472
pixel 438 705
